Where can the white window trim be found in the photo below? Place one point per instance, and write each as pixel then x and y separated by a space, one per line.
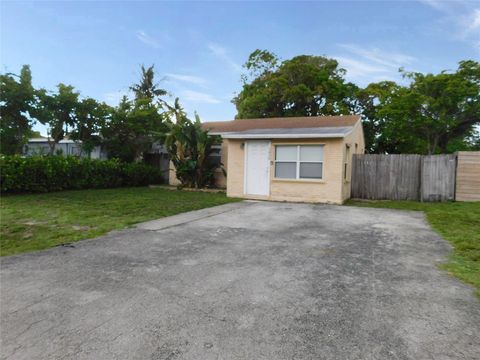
pixel 298 162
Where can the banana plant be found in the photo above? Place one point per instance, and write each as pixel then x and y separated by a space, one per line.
pixel 190 147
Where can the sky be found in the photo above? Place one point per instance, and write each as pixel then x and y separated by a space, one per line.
pixel 198 48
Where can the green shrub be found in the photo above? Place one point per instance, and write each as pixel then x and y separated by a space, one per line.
pixel 53 173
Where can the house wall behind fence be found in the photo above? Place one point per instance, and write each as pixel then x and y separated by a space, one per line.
pixel 468 176
pixel 356 141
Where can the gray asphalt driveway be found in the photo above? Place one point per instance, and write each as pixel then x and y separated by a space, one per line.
pixel 258 281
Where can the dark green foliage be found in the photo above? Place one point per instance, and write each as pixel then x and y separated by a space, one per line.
pixel 135 125
pixel 132 129
pixel 190 147
pixel 57 111
pixel 54 173
pixel 17 101
pixel 302 86
pixel 435 113
pixel 90 117
pixel 147 88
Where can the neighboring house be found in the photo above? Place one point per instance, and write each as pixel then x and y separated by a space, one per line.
pixel 40 146
pixel 289 159
pixel 158 157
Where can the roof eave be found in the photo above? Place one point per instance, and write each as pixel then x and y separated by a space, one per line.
pixel 278 136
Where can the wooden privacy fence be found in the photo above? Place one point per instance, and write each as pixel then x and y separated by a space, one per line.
pixel 404 177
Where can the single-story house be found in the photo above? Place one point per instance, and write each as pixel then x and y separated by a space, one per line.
pixel 304 159
pixel 40 146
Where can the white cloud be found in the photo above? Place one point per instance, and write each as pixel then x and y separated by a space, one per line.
pixel 358 68
pixel 147 39
pixel 370 64
pixel 186 78
pixel 473 23
pixel 386 58
pixel 199 97
pixel 440 5
pixel 222 53
pixel 460 20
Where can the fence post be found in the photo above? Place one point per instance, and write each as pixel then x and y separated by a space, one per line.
pixel 455 178
pixel 421 178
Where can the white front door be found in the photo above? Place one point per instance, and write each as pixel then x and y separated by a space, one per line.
pixel 257 167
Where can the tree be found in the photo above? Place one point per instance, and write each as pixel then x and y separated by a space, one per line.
pixel 133 128
pixel 136 124
pixel 433 114
pixel 370 102
pixel 147 88
pixel 16 103
pixel 302 86
pixel 260 62
pixel 57 111
pixel 190 147
pixel 90 117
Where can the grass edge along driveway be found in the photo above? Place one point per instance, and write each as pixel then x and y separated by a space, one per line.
pixel 456 222
pixel 40 221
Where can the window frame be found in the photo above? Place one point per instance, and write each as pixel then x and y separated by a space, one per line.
pixel 298 163
pixel 216 155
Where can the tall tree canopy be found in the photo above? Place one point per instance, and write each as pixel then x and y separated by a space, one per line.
pixel 136 124
pixel 147 88
pixel 133 128
pixel 17 100
pixel 433 114
pixel 90 117
pixel 57 111
pixel 302 86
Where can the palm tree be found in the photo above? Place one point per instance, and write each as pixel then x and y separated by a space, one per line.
pixel 147 88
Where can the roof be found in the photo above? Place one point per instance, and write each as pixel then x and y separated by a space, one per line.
pixel 39 139
pixel 286 127
pixel 45 140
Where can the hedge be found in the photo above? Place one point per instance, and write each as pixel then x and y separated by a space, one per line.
pixel 54 173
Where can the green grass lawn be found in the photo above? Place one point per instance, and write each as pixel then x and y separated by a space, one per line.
pixel 40 221
pixel 456 222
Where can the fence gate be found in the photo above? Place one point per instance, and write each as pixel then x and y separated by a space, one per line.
pixel 438 177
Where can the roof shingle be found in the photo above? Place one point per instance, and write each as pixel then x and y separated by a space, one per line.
pixel 281 123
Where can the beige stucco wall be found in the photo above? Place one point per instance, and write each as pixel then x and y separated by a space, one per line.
pixel 172 178
pixel 329 189
pixel 220 179
pixel 236 162
pixel 333 188
pixel 356 142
